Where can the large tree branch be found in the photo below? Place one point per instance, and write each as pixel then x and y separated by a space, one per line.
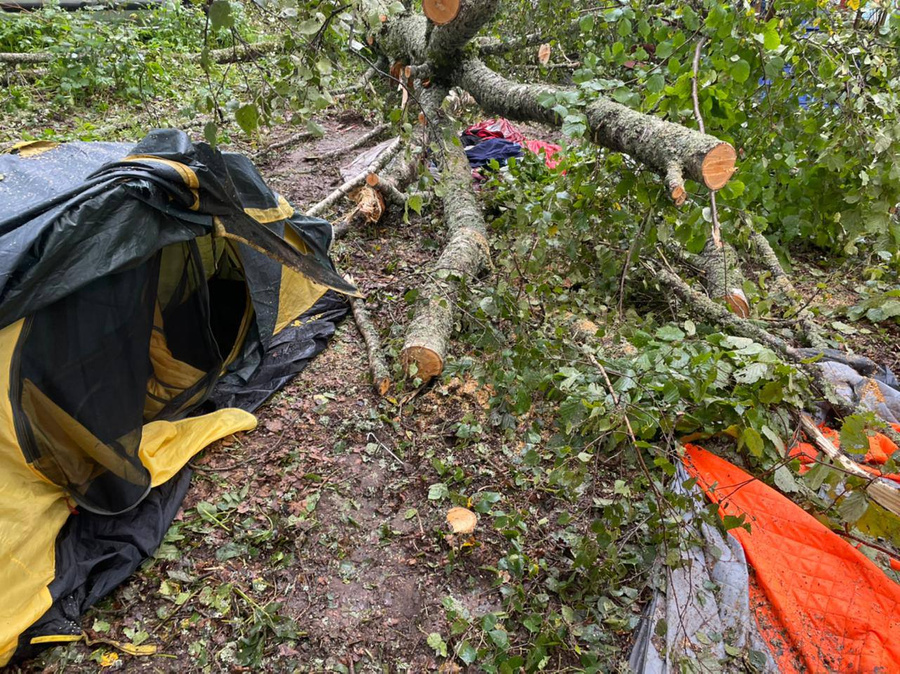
pixel 671 150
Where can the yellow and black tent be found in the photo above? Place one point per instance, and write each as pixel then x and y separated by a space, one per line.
pixel 150 298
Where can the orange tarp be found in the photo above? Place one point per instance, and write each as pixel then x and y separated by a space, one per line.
pixel 821 605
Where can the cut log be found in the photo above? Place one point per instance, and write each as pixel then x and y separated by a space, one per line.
pixel 441 11
pixel 399 173
pixel 369 203
pixel 465 256
pixel 671 150
pixel 357 181
pixel 723 277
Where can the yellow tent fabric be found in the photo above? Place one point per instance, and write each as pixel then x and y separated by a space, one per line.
pixel 167 446
pixel 33 510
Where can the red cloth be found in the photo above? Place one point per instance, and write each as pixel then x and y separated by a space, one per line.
pixel 549 150
pixel 497 128
pixel 821 604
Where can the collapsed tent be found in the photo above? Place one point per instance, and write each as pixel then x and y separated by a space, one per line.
pixel 789 595
pixel 150 298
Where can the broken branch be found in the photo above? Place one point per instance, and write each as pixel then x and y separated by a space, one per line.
pixel 356 181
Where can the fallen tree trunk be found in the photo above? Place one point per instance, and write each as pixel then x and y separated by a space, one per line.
pixel 671 150
pixel 399 173
pixel 723 277
pixel 465 256
pixel 811 330
pixel 365 139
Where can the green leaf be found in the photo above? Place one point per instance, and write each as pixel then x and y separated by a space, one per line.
pixel 438 491
pixel 785 481
pixel 210 133
pixel 664 50
pixel 220 15
pixel 771 38
pixel 500 638
pixel 466 652
pixel 669 333
pixel 854 438
pixel 656 83
pixel 753 440
pixel 740 70
pixel 309 27
pixel 734 522
pixel 437 644
pixel 853 506
pixel 247 117
pixel 415 203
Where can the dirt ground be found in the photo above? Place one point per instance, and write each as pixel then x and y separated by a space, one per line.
pixel 313 539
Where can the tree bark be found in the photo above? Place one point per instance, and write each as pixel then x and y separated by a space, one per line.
pixel 365 139
pixel 671 150
pixel 811 330
pixel 723 277
pixel 449 39
pixel 465 256
pixel 381 374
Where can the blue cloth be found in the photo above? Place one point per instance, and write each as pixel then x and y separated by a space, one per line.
pixel 492 148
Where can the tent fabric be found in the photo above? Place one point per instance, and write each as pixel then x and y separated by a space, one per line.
pixel 706 595
pixel 150 296
pixel 820 603
pixel 881 448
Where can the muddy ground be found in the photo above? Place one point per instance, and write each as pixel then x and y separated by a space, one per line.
pixel 311 544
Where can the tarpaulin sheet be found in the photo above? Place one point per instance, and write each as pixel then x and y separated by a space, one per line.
pixel 821 604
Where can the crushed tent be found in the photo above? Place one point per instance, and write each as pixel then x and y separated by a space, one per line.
pixel 789 595
pixel 150 298
pixel 881 448
pixel 487 135
pixel 820 603
pixel 706 596
pixel 362 161
pixel 815 602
